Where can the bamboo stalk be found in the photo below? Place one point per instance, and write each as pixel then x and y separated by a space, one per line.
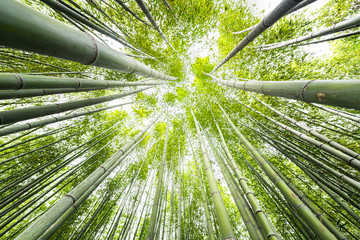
pixel 278 12
pixel 340 93
pixel 16 115
pixel 223 220
pixel 305 213
pixel 44 35
pixel 156 201
pixel 341 26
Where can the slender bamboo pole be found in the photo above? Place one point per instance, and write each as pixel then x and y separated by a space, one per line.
pixel 17 81
pixel 339 113
pixel 301 5
pixel 180 197
pixel 305 213
pixel 341 26
pixel 312 131
pixel 223 219
pixel 209 223
pixel 16 115
pixel 29 125
pixel 148 15
pixel 238 199
pixel 58 6
pixel 353 162
pixel 278 12
pixel 156 202
pixel 263 221
pixel 38 33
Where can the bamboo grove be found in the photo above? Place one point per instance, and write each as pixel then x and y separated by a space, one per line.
pixel 173 119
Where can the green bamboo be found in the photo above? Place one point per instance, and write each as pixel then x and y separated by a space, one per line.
pixel 278 12
pixel 299 6
pixel 209 223
pixel 308 157
pixel 44 35
pixel 148 15
pixel 124 6
pixel 239 199
pixel 341 26
pixel 16 115
pixel 313 131
pixel 17 81
pixel 153 217
pixel 305 213
pixel 223 220
pixel 339 113
pixel 29 125
pixel 355 163
pixel 263 221
pixel 58 6
pixel 178 227
pixel 308 203
pixel 340 93
pixel 43 223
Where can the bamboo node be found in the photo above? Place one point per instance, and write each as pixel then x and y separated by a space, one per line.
pixel 96 54
pixel 21 81
pixel 71 196
pixel 298 207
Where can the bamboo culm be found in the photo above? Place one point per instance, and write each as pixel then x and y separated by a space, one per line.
pixel 16 115
pixel 340 93
pixel 341 26
pixel 278 12
pixel 41 34
pixel 29 125
pixel 223 220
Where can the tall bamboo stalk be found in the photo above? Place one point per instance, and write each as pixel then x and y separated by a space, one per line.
pixel 341 26
pixel 41 34
pixel 312 131
pixel 239 199
pixel 223 219
pixel 16 115
pixel 340 93
pixel 263 221
pixel 156 202
pixel 17 81
pixel 209 223
pixel 148 15
pixel 352 161
pixel 58 6
pixel 278 12
pixel 179 210
pixel 305 213
pixel 29 125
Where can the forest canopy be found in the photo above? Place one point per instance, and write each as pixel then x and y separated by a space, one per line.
pixel 174 119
